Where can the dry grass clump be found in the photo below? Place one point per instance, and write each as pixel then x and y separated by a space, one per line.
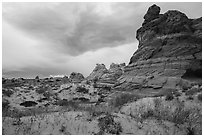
pixel 176 113
pixel 98 110
pixel 108 125
pixel 82 89
pixel 123 98
pixel 67 103
pixel 7 92
pixel 41 90
pixel 192 91
pixel 200 97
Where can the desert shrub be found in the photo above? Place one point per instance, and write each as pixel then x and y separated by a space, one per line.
pixel 95 79
pixel 63 102
pixel 106 88
pixel 5 105
pixel 147 114
pixel 11 84
pixel 82 99
pixel 41 90
pixel 185 87
pixel 82 89
pixel 7 93
pixel 123 99
pixel 42 99
pixel 98 110
pixel 87 82
pixel 190 131
pixel 108 125
pixel 62 129
pixel 26 91
pixel 157 103
pixel 200 97
pixel 67 103
pixel 177 94
pixel 190 98
pixel 169 97
pixel 192 91
pixel 179 116
pixel 161 112
pixel 47 95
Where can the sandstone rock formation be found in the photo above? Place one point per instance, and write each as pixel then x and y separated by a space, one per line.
pixel 98 71
pixel 169 51
pixel 114 72
pixel 104 75
pixel 76 77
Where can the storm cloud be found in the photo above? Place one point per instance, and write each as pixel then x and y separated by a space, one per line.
pixel 51 38
pixel 73 28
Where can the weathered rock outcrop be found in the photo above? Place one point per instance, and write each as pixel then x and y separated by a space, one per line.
pixel 76 77
pixel 104 75
pixel 98 72
pixel 170 49
pixel 114 72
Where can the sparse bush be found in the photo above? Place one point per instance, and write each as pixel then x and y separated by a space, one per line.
pixel 82 90
pixel 192 91
pixel 82 99
pixel 98 110
pixel 179 116
pixel 190 131
pixel 67 103
pixel 95 79
pixel 157 103
pixel 200 97
pixel 123 99
pixel 47 94
pixel 95 82
pixel 5 105
pixel 177 94
pixel 185 86
pixel 41 90
pixel 190 98
pixel 147 114
pixel 63 102
pixel 161 112
pixel 62 129
pixel 87 82
pixel 7 93
pixel 169 97
pixel 106 88
pixel 108 125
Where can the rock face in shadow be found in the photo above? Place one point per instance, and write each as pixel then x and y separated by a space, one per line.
pixel 169 45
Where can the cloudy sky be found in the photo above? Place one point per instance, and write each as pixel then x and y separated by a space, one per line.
pixel 59 38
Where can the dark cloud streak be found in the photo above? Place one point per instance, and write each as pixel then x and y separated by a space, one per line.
pixel 87 31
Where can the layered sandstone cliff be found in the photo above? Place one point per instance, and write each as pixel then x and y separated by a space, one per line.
pixel 169 52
